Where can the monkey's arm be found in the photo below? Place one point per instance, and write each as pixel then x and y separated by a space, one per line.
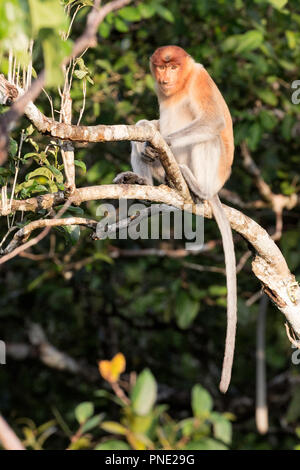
pixel 142 157
pixel 205 104
pixel 199 130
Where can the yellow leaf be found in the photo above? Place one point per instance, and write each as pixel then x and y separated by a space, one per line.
pixel 81 443
pixel 111 370
pixel 113 427
pixel 135 442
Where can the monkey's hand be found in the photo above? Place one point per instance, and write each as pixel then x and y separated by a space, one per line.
pixel 149 153
pixel 128 177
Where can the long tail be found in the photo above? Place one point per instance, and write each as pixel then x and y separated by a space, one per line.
pixel 230 264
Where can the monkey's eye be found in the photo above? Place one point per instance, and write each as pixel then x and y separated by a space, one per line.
pixel 174 67
pixel 161 67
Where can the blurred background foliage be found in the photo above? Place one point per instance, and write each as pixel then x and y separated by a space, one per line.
pixel 90 299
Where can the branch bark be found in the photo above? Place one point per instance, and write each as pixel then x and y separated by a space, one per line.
pixel 268 265
pixel 102 133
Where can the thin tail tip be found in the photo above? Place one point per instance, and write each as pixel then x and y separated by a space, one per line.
pixel 224 384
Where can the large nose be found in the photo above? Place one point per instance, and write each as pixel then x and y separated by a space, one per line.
pixel 165 79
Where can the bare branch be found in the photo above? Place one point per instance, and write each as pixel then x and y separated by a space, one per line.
pixel 268 265
pixel 278 202
pixel 24 233
pixel 35 240
pixel 116 252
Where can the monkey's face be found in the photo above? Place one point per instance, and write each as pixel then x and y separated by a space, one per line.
pixel 170 66
pixel 167 77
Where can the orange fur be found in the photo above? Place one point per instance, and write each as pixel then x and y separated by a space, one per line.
pixel 190 80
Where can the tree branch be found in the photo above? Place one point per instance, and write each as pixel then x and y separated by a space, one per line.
pixel 268 265
pixel 102 133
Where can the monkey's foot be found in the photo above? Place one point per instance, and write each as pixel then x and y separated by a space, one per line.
pixel 128 177
pixel 149 154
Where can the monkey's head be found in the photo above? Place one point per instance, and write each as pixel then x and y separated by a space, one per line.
pixel 170 66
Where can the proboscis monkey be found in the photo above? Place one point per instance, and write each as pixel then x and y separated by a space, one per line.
pixel 196 123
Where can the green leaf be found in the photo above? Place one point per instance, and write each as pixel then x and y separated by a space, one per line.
pixel 222 428
pixel 291 39
pixel 146 10
pixel 84 411
pixel 30 130
pixel 287 65
pixel 254 136
pixel 74 209
pixel 81 64
pixel 52 186
pixel 217 290
pixel 105 64
pixel 104 29
pixel 230 43
pixel 249 41
pixel 30 155
pixel 80 164
pixel 165 13
pixel 34 144
pixel 268 96
pixel 80 74
pixel 130 14
pixel 103 257
pixel 90 80
pixel 92 423
pixel 287 126
pixel 186 309
pixel 278 4
pixel 246 42
pixel 47 14
pixel 113 445
pixel 5 172
pixel 144 392
pixel 201 401
pixel 267 119
pixel 39 172
pixel 73 232
pixel 121 26
pixel 187 426
pixel 57 174
pixel 12 147
pixel 55 50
